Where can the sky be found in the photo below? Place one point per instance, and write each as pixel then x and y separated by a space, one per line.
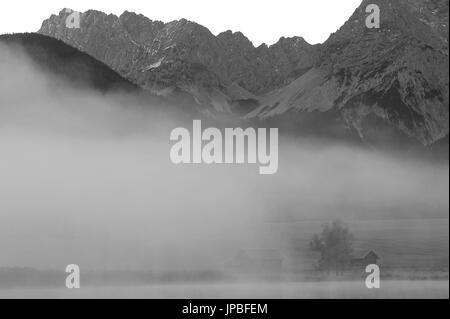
pixel 261 21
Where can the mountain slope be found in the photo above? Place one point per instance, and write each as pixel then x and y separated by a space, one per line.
pixel 382 85
pixel 396 75
pixel 184 55
pixel 74 68
pixel 60 59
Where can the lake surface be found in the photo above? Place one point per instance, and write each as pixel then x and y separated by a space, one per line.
pixel 260 290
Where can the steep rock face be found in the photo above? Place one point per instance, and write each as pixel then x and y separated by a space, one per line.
pixel 397 73
pixel 367 80
pixel 131 44
pixel 182 53
pixel 263 69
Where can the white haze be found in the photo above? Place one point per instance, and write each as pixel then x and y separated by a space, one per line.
pixel 86 178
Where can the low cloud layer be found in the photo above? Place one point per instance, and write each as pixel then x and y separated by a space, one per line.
pixel 86 178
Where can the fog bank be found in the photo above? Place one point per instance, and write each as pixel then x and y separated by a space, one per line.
pixel 86 178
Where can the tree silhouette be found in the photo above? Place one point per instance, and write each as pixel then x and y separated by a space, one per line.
pixel 335 247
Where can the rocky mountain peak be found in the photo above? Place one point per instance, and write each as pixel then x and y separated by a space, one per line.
pixel 235 41
pixel 425 20
pixel 157 54
pixel 396 74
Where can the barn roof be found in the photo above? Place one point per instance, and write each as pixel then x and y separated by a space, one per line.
pixel 371 254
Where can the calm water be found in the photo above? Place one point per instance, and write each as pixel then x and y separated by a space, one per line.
pixel 343 289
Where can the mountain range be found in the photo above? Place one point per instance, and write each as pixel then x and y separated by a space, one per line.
pixel 379 85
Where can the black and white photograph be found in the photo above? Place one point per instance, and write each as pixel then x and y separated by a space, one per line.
pixel 224 150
